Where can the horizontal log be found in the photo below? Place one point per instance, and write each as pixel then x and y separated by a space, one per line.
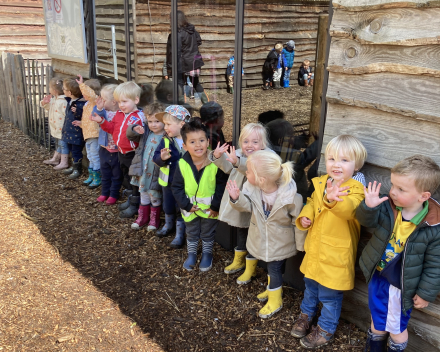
pixel 24 40
pixel 70 68
pixel 20 10
pixel 412 96
pixel 21 30
pixel 390 26
pixel 348 56
pixel 22 3
pixel 11 19
pixel 361 5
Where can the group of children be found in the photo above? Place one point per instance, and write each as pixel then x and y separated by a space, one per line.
pixel 172 164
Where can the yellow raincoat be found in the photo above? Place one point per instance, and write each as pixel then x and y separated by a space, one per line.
pixel 333 237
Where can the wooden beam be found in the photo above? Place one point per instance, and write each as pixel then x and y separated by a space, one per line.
pixel 361 5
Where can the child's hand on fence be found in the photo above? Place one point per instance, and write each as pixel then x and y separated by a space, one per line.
pixel 305 221
pixel 99 103
pixel 194 208
pixel 212 213
pixel 419 302
pixel 139 129
pixel 80 80
pixel 334 191
pixel 372 198
pixel 95 117
pixel 218 152
pixel 165 153
pixel 233 190
pixel 46 99
pixel 73 108
pixel 231 156
pixel 77 123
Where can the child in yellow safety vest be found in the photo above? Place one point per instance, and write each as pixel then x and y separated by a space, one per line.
pixel 198 187
pixel 167 155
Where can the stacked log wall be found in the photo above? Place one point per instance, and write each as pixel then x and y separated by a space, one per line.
pixel 384 81
pixel 265 25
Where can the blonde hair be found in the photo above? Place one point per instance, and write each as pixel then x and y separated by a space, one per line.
pixel 107 90
pixel 128 90
pixel 306 62
pixel 278 47
pixel 94 84
pixel 56 84
pixel 350 146
pixel 170 117
pixel 424 171
pixel 259 129
pixel 270 166
pixel 154 109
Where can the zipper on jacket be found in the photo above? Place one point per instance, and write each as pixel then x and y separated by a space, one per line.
pixel 120 129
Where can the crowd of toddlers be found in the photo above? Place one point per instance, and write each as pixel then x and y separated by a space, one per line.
pixel 182 165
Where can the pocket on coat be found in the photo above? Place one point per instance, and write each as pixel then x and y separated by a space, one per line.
pixel 335 251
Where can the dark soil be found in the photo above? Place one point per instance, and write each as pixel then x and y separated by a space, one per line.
pixel 132 272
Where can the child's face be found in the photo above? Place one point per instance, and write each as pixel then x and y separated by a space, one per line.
pixel 404 192
pixel 53 91
pixel 306 66
pixel 67 92
pixel 128 105
pixel 339 167
pixel 251 143
pixel 250 175
pixel 154 124
pixel 172 127
pixel 196 144
pixel 110 103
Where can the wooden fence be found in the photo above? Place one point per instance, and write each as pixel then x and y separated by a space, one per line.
pixel 23 84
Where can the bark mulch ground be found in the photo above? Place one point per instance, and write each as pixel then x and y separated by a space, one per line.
pixel 75 277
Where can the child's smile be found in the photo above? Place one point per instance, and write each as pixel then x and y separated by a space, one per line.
pixel 339 167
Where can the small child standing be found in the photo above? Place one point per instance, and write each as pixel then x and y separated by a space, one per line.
pixel 289 54
pixel 253 138
pixel 212 117
pixel 90 90
pixel 144 171
pixel 72 134
pixel 270 196
pixel 305 75
pixel 56 104
pixel 198 186
pixel 401 262
pixel 273 67
pixel 111 173
pixel 332 240
pixel 127 95
pixel 167 155
pixel 230 71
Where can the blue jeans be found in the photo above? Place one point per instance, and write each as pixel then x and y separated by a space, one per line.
pixel 331 304
pixel 92 148
pixel 62 147
pixel 286 76
pixel 275 271
pixel 306 77
pixel 77 151
pixel 111 173
pixel 169 203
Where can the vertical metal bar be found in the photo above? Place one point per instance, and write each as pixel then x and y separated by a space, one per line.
pixel 34 102
pixel 31 105
pixel 93 46
pixel 238 55
pixel 115 59
pixel 174 56
pixel 127 38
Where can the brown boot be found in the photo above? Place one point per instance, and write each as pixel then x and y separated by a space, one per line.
pixel 311 83
pixel 300 326
pixel 317 338
pixel 55 159
pixel 64 163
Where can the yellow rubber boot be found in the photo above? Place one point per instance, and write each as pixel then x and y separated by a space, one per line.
pixel 249 272
pixel 274 302
pixel 262 297
pixel 239 262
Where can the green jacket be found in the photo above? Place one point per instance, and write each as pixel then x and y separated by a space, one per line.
pixel 420 272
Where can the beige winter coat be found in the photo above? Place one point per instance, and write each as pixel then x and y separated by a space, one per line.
pixel 274 238
pixel 57 114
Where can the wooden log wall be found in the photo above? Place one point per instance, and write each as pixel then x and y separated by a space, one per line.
pixel 266 23
pixel 22 29
pixel 384 81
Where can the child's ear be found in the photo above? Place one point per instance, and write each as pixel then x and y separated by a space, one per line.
pixel 182 123
pixel 425 196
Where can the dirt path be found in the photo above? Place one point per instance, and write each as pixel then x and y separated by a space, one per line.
pixel 71 271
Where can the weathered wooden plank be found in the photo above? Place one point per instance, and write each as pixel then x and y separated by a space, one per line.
pixel 21 30
pixel 13 19
pixel 24 3
pixel 70 68
pixel 349 56
pixel 412 96
pixel 4 105
pixel 388 26
pixel 361 5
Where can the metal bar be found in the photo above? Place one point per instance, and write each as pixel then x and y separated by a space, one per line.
pixel 115 60
pixel 103 26
pixel 238 55
pixel 105 52
pixel 104 69
pixel 127 38
pixel 102 60
pixel 104 40
pixel 174 54
pixel 93 46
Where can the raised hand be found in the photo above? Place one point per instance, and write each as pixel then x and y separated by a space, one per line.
pixel 233 190
pixel 73 108
pixel 305 222
pixel 80 80
pixel 165 153
pixel 218 152
pixel 334 191
pixel 46 99
pixel 95 117
pixel 99 103
pixel 372 198
pixel 231 156
pixel 139 129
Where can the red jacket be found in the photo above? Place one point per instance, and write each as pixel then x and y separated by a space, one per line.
pixel 118 127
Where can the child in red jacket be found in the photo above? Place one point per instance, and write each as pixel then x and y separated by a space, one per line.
pixel 127 95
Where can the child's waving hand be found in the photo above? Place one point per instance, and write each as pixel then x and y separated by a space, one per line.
pixel 231 156
pixel 80 79
pixel 218 152
pixel 139 129
pixel 372 198
pixel 95 117
pixel 100 103
pixel 46 99
pixel 334 191
pixel 233 190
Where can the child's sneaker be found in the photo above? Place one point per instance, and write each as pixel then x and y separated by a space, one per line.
pixel 111 201
pixel 101 199
pixel 317 338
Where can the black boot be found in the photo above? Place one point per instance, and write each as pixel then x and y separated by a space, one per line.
pixel 68 171
pixel 277 85
pixel 125 205
pixel 77 170
pixel 132 210
pixel 376 342
pixel 203 97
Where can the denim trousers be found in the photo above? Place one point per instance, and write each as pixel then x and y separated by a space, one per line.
pixel 169 203
pixel 275 271
pixel 331 304
pixel 111 174
pixel 62 147
pixel 92 148
pixel 286 75
pixel 306 77
pixel 77 151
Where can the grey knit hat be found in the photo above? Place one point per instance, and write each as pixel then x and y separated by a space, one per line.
pixel 291 43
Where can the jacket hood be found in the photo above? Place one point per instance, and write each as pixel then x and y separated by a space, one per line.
pixel 189 28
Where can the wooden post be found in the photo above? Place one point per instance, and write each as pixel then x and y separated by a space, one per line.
pixel 3 101
pixel 34 98
pixel 41 129
pixel 321 45
pixel 10 116
pixel 20 96
pixel 25 94
pixel 30 103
